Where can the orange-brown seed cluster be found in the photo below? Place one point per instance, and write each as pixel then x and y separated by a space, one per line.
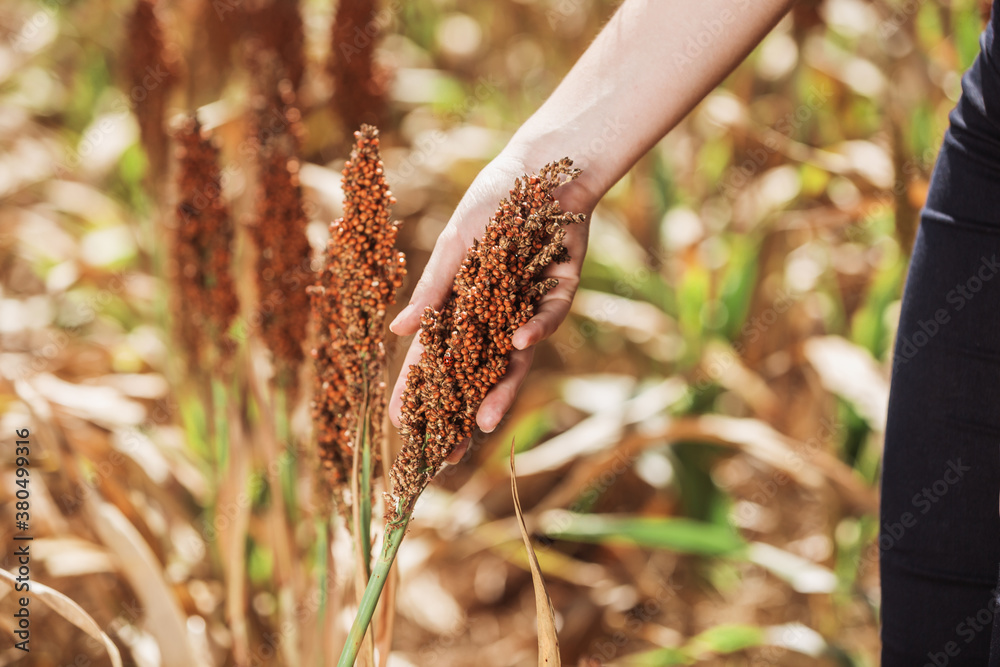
pixel 283 254
pixel 356 286
pixel 467 343
pixel 203 247
pixel 283 251
pixel 152 72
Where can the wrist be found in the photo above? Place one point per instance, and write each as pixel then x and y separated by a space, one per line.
pixel 532 153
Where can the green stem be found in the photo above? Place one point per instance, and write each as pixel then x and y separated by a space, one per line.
pixel 219 407
pixel 287 456
pixel 365 527
pixel 380 574
pixel 322 559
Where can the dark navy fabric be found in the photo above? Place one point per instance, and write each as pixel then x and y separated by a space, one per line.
pixel 940 527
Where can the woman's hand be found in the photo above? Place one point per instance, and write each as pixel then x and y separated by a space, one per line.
pixel 610 109
pixel 467 223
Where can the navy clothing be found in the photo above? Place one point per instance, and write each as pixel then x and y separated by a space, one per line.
pixel 940 528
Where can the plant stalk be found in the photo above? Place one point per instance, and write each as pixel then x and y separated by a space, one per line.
pixel 380 574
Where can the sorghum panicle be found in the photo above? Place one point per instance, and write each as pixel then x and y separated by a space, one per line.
pixel 279 233
pixel 359 84
pixel 356 286
pixel 283 255
pixel 274 102
pixel 279 26
pixel 275 25
pixel 468 342
pixel 203 247
pixel 152 72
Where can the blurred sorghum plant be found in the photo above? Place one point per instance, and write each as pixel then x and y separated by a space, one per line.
pixel 362 271
pixel 283 254
pixel 283 251
pixel 273 102
pixel 467 342
pixel 359 84
pixel 203 248
pixel 279 26
pixel 152 72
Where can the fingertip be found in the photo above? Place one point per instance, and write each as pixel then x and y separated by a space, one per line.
pixel 488 420
pixel 458 453
pixel 522 338
pixel 394 409
pixel 399 325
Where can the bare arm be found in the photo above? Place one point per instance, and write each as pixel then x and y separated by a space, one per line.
pixel 652 63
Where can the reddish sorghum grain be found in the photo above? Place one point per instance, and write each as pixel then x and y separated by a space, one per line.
pixel 468 342
pixel 358 283
pixel 203 248
pixel 283 255
pixel 279 232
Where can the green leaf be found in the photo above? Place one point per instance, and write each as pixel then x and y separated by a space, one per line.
pixel 676 534
pixel 726 639
pixel 720 640
pixel 661 657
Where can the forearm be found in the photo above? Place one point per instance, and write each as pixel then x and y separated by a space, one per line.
pixel 652 63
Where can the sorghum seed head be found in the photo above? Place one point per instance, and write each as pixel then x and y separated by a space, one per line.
pixel 356 286
pixel 467 342
pixel 283 260
pixel 152 73
pixel 203 248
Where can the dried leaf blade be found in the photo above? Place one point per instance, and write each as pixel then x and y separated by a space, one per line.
pixel 72 612
pixel 548 639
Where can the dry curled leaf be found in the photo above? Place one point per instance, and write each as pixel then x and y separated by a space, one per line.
pixel 548 639
pixel 72 612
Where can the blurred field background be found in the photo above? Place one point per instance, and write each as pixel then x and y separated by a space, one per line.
pixel 700 442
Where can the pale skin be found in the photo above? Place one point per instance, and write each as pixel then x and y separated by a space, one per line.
pixel 652 63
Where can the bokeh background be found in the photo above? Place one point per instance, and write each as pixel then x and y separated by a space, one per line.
pixel 700 441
